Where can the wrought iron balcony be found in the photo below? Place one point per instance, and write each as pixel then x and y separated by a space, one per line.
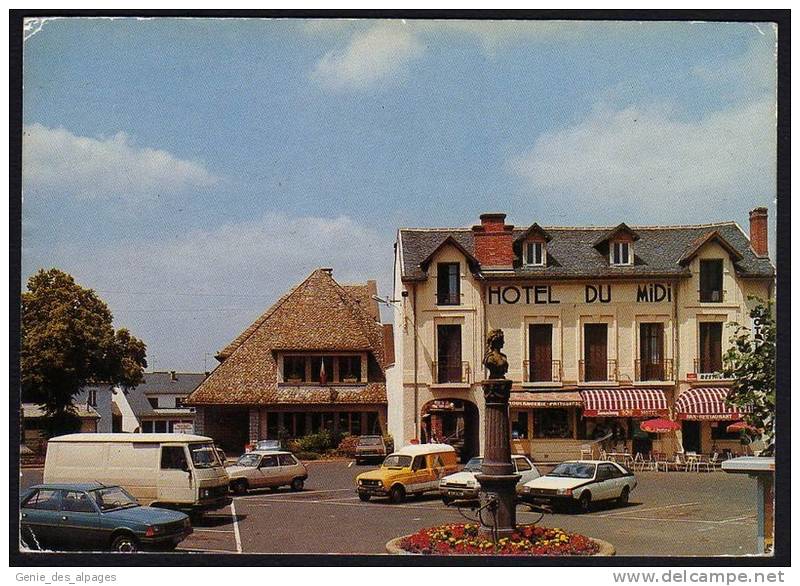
pixel 597 372
pixel 654 371
pixel 450 372
pixel 535 372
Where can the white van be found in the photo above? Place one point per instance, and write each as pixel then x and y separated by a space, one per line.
pixel 173 470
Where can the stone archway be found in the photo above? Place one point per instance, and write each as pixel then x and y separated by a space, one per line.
pixel 454 422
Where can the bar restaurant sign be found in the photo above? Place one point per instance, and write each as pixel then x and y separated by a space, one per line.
pixel 602 293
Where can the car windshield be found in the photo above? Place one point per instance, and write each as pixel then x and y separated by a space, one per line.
pixel 111 498
pixel 204 455
pixel 573 470
pixel 474 465
pixel 249 460
pixel 369 440
pixel 397 461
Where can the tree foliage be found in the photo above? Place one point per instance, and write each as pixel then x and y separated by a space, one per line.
pixel 750 362
pixel 68 340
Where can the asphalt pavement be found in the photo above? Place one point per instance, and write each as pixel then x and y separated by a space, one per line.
pixel 670 514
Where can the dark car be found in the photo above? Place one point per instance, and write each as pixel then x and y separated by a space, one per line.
pixel 370 447
pixel 93 516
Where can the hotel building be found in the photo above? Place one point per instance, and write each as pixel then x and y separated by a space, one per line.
pixel 604 327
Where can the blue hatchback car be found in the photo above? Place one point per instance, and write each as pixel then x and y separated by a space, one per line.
pixel 93 516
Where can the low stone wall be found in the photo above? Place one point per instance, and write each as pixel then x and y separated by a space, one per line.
pixel 393 547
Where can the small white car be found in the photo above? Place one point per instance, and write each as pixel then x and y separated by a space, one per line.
pixel 464 486
pixel 579 483
pixel 266 469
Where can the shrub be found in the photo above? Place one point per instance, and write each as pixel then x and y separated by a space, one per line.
pixel 315 442
pixel 347 447
pixel 307 456
pixel 389 441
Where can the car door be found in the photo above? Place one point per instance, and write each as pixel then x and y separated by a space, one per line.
pixel 526 470
pixel 175 479
pixel 421 476
pixel 269 472
pixel 39 518
pixel 438 470
pixel 79 520
pixel 288 468
pixel 618 481
pixel 604 485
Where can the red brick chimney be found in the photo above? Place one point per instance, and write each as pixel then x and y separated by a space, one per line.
pixel 758 232
pixel 494 242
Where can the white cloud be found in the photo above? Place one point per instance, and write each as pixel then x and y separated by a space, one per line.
pixel 651 163
pixel 194 292
pixel 371 57
pixel 100 168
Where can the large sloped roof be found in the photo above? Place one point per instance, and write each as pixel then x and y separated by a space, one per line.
pixel 571 252
pixel 317 315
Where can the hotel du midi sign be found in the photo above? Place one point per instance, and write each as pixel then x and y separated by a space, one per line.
pixel 548 295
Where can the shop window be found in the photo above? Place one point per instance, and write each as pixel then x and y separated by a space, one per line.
pixel 710 347
pixel 272 425
pixel 448 341
pixel 621 253
pixel 448 283
pixel 535 254
pixel 349 369
pixel 147 427
pixel 294 369
pixel 316 422
pixel 719 431
pixel 552 423
pixel 344 422
pixel 711 280
pixel 540 352
pixel 355 423
pixel 327 421
pixel 519 425
pixel 160 426
pixel 321 369
pixel 651 351
pixel 373 425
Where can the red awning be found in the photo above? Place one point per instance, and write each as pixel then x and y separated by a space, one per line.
pixel 706 404
pixel 624 403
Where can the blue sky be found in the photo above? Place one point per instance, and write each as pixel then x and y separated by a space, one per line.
pixel 192 170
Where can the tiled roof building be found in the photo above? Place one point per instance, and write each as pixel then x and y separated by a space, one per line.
pixel 314 360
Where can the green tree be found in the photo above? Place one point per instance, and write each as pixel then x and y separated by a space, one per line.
pixel 68 340
pixel 750 362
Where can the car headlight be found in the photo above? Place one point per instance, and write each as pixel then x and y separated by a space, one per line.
pixel 471 483
pixel 564 491
pixel 526 489
pixel 204 492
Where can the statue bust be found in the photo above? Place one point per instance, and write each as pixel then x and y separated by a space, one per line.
pixel 495 361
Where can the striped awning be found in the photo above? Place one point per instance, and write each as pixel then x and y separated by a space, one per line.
pixel 701 404
pixel 624 403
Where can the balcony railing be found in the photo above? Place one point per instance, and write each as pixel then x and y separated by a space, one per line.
pixel 534 372
pixel 450 372
pixel 593 372
pixel 650 371
pixel 712 374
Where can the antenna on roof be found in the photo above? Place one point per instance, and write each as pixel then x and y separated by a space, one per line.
pixel 384 300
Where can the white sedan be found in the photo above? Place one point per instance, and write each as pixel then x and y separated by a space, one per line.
pixel 463 485
pixel 580 483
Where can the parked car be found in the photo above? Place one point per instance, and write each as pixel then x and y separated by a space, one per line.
pixel 170 470
pixel 579 483
pixel 267 469
pixel 465 486
pixel 264 446
pixel 93 516
pixel 413 469
pixel 370 446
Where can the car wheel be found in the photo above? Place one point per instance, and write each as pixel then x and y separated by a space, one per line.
pixel 125 543
pixel 297 484
pixel 239 486
pixel 585 502
pixel 363 496
pixel 397 494
pixel 623 498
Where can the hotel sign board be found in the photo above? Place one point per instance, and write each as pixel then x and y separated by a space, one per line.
pixel 600 293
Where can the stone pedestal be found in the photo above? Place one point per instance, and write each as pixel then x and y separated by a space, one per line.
pixel 497 478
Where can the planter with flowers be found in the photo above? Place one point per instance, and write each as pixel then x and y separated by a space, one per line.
pixel 527 540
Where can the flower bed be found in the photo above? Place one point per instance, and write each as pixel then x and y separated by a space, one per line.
pixel 463 538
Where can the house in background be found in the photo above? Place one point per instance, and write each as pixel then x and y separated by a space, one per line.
pixel 158 402
pixel 315 360
pixel 100 398
pixel 33 424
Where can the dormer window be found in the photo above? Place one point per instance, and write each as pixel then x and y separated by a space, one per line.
pixel 621 253
pixel 535 254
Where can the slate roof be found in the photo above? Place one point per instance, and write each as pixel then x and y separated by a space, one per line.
pixel 162 383
pixel 318 315
pixel 571 253
pixel 33 411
